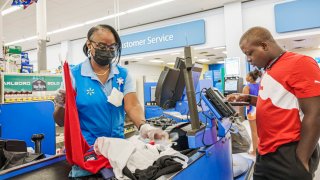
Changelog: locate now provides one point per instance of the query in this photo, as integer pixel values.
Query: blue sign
(297, 15)
(180, 35)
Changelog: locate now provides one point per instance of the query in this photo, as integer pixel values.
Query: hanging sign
(24, 3)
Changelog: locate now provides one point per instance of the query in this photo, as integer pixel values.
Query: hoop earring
(89, 53)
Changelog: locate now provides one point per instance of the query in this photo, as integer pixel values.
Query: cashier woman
(105, 90)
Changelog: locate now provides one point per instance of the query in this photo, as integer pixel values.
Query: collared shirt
(86, 70)
(274, 61)
(279, 115)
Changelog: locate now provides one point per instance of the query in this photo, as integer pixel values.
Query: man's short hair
(256, 35)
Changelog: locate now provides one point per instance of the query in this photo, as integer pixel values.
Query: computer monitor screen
(232, 66)
(166, 87)
(153, 93)
(171, 84)
(231, 85)
(217, 100)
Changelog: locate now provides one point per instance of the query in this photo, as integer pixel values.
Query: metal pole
(1, 36)
(42, 35)
(195, 123)
(1, 28)
(5, 5)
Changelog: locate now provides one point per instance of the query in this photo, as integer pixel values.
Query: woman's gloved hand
(147, 131)
(59, 100)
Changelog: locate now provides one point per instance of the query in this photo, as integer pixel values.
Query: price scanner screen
(231, 85)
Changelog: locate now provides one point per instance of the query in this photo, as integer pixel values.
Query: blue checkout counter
(201, 165)
(21, 120)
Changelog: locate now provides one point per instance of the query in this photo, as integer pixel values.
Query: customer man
(288, 108)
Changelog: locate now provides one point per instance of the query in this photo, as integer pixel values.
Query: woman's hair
(255, 74)
(104, 27)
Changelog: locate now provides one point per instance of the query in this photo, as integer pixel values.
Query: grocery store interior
(172, 65)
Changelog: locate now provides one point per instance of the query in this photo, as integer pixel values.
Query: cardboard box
(26, 68)
(13, 49)
(24, 58)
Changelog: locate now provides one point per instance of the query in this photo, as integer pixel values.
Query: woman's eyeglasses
(103, 46)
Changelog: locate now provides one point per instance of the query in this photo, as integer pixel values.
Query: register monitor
(218, 101)
(233, 85)
(171, 83)
(166, 87)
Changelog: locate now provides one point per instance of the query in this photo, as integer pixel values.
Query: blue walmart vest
(97, 116)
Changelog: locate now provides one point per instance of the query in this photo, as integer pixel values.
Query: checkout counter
(207, 135)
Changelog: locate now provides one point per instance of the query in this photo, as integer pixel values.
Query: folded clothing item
(164, 165)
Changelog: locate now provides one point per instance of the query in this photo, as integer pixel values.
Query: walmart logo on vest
(90, 91)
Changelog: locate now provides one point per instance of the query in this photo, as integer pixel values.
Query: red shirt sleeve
(305, 79)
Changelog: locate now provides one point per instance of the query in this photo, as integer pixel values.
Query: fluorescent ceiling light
(220, 47)
(148, 6)
(319, 46)
(139, 58)
(156, 61)
(203, 60)
(224, 52)
(170, 63)
(11, 10)
(104, 18)
(92, 21)
(65, 29)
(220, 62)
(22, 40)
(195, 57)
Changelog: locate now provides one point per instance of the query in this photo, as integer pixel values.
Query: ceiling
(203, 56)
(309, 42)
(63, 13)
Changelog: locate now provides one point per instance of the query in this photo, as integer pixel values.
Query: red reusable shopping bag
(76, 146)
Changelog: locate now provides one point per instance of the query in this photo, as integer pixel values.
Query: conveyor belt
(57, 171)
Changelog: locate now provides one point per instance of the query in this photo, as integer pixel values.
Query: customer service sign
(179, 35)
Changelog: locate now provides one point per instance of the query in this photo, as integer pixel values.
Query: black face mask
(103, 57)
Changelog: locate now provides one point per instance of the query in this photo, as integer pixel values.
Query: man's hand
(305, 163)
(59, 100)
(237, 97)
(147, 131)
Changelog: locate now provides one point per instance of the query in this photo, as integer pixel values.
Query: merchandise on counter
(26, 68)
(12, 59)
(24, 58)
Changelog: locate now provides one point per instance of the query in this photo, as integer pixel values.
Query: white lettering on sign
(149, 40)
(39, 86)
(53, 83)
(133, 43)
(159, 39)
(17, 83)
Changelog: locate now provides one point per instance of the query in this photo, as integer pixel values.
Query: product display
(28, 87)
